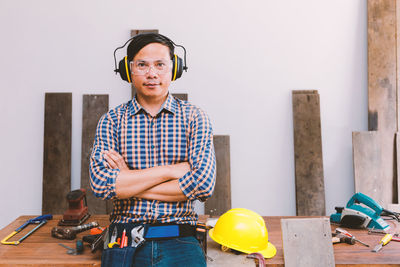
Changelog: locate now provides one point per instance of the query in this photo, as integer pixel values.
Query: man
(153, 156)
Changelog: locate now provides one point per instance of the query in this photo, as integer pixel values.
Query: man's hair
(141, 40)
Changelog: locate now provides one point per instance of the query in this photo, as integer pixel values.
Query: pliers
(113, 240)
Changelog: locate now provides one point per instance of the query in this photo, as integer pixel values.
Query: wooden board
(220, 201)
(367, 165)
(382, 87)
(133, 33)
(181, 96)
(56, 152)
(309, 175)
(306, 246)
(93, 107)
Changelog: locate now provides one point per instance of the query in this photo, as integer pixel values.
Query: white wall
(244, 58)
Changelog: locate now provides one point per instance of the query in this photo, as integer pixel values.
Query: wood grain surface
(220, 201)
(57, 152)
(93, 107)
(309, 173)
(40, 249)
(367, 165)
(382, 87)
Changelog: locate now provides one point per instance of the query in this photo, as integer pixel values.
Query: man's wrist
(169, 172)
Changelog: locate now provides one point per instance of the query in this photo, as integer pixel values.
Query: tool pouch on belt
(122, 257)
(118, 257)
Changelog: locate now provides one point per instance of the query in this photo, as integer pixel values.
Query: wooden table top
(43, 250)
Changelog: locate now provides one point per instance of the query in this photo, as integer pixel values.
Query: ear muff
(177, 67)
(124, 70)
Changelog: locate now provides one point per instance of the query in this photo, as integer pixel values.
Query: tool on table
(40, 220)
(376, 231)
(77, 211)
(71, 232)
(395, 237)
(113, 240)
(340, 238)
(257, 257)
(77, 251)
(97, 241)
(137, 236)
(386, 239)
(344, 232)
(360, 212)
(96, 231)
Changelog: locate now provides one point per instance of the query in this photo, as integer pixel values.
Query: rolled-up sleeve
(102, 176)
(199, 182)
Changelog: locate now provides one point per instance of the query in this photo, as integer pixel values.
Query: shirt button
(152, 146)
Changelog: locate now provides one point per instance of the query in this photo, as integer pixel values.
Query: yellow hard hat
(243, 230)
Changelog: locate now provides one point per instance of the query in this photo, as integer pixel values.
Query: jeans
(175, 252)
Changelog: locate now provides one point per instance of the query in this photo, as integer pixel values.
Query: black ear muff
(124, 70)
(177, 67)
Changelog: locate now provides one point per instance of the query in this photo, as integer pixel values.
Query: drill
(70, 233)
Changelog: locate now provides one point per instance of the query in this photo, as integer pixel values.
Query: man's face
(152, 84)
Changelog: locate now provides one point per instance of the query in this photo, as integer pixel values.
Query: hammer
(70, 233)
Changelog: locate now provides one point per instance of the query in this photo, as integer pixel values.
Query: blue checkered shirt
(179, 132)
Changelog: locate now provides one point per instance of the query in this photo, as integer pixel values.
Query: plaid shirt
(179, 132)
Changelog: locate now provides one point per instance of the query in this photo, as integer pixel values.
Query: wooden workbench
(41, 249)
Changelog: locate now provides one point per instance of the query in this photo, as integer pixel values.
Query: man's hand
(115, 160)
(178, 170)
(150, 183)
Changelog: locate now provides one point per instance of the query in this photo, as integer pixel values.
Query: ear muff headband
(128, 74)
(175, 68)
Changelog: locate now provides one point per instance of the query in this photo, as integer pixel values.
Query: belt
(167, 231)
(157, 231)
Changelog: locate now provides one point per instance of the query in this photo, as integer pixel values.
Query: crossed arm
(159, 183)
(111, 178)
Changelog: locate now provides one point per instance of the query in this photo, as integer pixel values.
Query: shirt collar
(170, 105)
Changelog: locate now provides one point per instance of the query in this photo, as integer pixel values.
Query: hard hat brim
(269, 252)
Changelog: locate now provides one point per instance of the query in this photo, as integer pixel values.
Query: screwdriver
(343, 239)
(383, 242)
(344, 232)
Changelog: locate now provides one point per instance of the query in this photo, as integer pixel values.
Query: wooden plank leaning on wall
(220, 201)
(382, 90)
(93, 107)
(57, 152)
(309, 173)
(367, 164)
